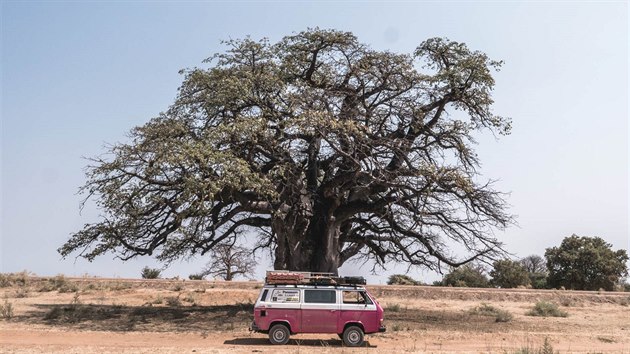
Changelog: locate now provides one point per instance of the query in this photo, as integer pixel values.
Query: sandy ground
(93, 315)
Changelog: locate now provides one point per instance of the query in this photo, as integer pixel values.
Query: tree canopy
(319, 147)
(585, 263)
(507, 273)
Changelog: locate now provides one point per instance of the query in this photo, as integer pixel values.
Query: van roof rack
(284, 277)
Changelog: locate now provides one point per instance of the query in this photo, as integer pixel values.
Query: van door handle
(333, 310)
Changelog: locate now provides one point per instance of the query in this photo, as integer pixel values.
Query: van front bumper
(382, 329)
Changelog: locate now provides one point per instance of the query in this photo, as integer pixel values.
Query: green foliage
(585, 263)
(316, 137)
(546, 309)
(150, 273)
(198, 276)
(469, 276)
(546, 348)
(402, 279)
(538, 280)
(489, 310)
(509, 274)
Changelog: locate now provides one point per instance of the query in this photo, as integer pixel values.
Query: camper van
(302, 302)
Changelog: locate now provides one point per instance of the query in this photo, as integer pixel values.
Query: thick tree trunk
(308, 242)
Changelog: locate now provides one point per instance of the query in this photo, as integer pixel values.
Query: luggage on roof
(280, 277)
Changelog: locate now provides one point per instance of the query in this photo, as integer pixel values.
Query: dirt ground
(94, 315)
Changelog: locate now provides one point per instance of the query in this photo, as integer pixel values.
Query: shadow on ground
(294, 341)
(141, 318)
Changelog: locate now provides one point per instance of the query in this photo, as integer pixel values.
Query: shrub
(509, 274)
(393, 307)
(489, 310)
(196, 277)
(401, 279)
(173, 301)
(6, 309)
(546, 309)
(470, 276)
(150, 273)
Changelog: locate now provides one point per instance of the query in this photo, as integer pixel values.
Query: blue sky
(76, 76)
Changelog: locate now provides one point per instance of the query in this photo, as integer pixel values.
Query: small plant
(190, 298)
(21, 292)
(546, 348)
(150, 273)
(158, 300)
(173, 301)
(397, 327)
(546, 309)
(6, 309)
(393, 307)
(489, 310)
(178, 287)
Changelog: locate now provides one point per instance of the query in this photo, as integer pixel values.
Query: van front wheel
(353, 336)
(279, 334)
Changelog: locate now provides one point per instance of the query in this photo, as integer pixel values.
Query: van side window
(320, 296)
(356, 297)
(264, 295)
(285, 295)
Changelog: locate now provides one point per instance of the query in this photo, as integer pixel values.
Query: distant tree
(229, 261)
(536, 267)
(507, 273)
(469, 275)
(402, 279)
(324, 147)
(150, 273)
(585, 263)
(534, 264)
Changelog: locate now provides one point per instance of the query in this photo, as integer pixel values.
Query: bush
(393, 307)
(150, 273)
(469, 276)
(196, 277)
(6, 309)
(546, 348)
(401, 279)
(509, 274)
(538, 280)
(546, 309)
(173, 301)
(489, 310)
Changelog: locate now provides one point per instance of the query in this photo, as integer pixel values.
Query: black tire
(279, 334)
(353, 336)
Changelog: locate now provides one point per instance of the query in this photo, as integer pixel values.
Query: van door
(356, 306)
(320, 311)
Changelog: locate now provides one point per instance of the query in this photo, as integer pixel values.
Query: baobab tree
(320, 147)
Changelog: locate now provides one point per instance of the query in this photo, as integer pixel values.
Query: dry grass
(215, 315)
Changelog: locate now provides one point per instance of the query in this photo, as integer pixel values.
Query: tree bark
(308, 242)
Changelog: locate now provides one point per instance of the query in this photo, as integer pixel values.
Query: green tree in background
(317, 147)
(507, 273)
(585, 263)
(536, 267)
(469, 275)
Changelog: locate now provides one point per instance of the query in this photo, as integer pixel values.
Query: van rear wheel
(279, 334)
(353, 336)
